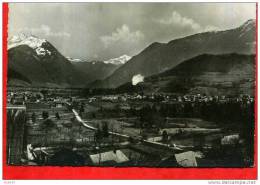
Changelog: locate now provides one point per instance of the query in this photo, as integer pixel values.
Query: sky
(100, 31)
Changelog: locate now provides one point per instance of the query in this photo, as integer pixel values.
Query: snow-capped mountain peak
(74, 59)
(118, 61)
(29, 40)
(247, 26)
(250, 22)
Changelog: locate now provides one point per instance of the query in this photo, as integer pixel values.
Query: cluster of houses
(130, 155)
(33, 98)
(171, 98)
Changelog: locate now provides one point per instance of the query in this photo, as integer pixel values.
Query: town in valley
(185, 102)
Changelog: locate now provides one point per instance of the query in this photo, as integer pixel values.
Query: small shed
(230, 139)
(111, 157)
(186, 159)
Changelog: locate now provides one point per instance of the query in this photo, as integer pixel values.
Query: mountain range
(189, 61)
(35, 61)
(225, 74)
(95, 70)
(98, 70)
(159, 57)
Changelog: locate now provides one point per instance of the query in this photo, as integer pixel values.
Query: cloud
(211, 28)
(137, 79)
(176, 19)
(179, 20)
(122, 35)
(44, 30)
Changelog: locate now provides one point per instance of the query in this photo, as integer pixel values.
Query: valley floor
(130, 130)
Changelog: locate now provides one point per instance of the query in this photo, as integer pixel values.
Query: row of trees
(101, 132)
(155, 116)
